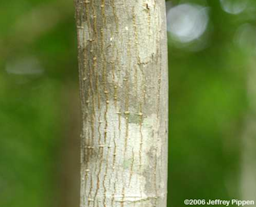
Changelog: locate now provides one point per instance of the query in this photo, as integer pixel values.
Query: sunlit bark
(124, 96)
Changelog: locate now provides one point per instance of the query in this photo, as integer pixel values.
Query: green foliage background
(208, 104)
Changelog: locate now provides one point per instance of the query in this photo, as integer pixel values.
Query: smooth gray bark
(124, 96)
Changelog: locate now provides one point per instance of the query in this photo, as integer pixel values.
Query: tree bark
(248, 166)
(122, 52)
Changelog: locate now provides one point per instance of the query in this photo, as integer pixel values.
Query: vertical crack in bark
(127, 113)
(131, 168)
(115, 15)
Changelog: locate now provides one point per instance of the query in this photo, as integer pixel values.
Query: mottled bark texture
(124, 93)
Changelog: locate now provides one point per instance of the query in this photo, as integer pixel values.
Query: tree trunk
(248, 170)
(122, 52)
